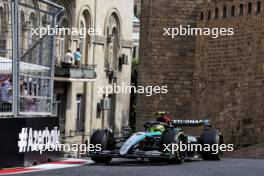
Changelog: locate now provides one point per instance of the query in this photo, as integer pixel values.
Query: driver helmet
(157, 127)
(163, 117)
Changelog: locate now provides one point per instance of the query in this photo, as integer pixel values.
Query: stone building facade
(220, 77)
(80, 100)
(136, 37)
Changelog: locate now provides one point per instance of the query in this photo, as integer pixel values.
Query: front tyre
(172, 137)
(105, 139)
(211, 137)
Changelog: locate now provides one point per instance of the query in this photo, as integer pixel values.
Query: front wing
(134, 155)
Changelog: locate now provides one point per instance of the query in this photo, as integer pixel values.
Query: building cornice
(102, 40)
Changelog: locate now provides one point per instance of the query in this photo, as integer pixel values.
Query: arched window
(241, 9)
(216, 13)
(249, 7)
(233, 11)
(115, 47)
(84, 44)
(258, 7)
(224, 11)
(62, 41)
(82, 40)
(113, 33)
(113, 38)
(33, 24)
(66, 43)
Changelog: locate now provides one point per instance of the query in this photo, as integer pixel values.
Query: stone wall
(229, 80)
(220, 77)
(164, 61)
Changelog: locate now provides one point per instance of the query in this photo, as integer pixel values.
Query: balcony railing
(81, 72)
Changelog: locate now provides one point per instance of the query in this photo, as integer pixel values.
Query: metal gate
(27, 47)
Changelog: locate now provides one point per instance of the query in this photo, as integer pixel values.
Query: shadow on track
(139, 162)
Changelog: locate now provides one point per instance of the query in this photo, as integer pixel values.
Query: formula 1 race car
(157, 143)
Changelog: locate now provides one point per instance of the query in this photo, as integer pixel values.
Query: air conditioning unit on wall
(105, 103)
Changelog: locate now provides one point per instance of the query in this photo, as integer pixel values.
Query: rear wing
(186, 122)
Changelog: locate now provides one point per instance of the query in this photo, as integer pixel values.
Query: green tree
(133, 95)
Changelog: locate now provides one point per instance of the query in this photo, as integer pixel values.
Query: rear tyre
(173, 137)
(105, 139)
(211, 137)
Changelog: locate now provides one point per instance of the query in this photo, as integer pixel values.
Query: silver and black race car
(159, 142)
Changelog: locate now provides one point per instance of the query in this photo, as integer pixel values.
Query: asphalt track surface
(225, 167)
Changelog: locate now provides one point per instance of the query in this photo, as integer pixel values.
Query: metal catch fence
(26, 57)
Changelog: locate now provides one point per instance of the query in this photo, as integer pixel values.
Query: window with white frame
(79, 113)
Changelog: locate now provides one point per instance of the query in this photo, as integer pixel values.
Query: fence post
(15, 58)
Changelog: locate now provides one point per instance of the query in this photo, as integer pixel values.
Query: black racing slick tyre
(210, 137)
(105, 139)
(172, 137)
